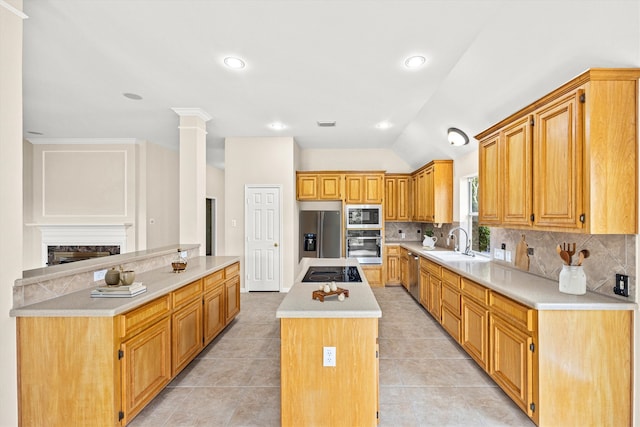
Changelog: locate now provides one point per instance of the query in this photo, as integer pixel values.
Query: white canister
(572, 280)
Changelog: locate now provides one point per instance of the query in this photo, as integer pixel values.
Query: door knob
(275, 245)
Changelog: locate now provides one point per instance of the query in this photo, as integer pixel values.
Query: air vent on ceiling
(326, 123)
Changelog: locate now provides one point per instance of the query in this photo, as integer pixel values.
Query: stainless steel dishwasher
(413, 274)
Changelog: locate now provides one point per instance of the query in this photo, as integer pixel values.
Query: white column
(193, 175)
(11, 222)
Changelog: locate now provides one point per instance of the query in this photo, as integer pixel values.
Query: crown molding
(84, 141)
(197, 112)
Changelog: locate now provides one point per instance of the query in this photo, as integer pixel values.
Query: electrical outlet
(503, 246)
(529, 251)
(99, 275)
(183, 254)
(622, 285)
(329, 356)
(507, 256)
(498, 254)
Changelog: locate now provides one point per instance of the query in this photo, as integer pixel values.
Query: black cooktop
(332, 274)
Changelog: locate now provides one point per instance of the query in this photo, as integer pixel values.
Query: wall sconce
(457, 137)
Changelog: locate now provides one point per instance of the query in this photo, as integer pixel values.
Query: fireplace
(71, 253)
(64, 243)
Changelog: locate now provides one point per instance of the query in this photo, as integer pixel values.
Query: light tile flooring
(425, 378)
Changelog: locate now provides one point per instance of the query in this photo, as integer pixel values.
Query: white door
(263, 224)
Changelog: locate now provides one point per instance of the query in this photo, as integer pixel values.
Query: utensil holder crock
(572, 280)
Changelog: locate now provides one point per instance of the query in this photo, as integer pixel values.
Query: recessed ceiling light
(277, 126)
(414, 61)
(235, 63)
(133, 96)
(383, 125)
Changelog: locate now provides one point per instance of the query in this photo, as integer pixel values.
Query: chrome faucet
(467, 250)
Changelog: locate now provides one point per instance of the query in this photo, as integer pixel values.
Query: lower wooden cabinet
(392, 265)
(374, 275)
(433, 302)
(102, 371)
(187, 340)
(511, 361)
(146, 367)
(474, 335)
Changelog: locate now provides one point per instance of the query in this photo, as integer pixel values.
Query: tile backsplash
(610, 254)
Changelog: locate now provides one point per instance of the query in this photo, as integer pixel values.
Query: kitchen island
(345, 393)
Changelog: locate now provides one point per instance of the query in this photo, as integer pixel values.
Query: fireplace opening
(66, 254)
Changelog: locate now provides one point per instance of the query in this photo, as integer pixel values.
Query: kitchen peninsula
(98, 361)
(345, 393)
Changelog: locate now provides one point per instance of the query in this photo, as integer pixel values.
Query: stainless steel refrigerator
(320, 234)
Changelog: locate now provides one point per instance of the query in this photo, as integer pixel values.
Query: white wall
(348, 159)
(11, 196)
(215, 189)
(253, 161)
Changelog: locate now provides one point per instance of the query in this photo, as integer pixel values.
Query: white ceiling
(307, 60)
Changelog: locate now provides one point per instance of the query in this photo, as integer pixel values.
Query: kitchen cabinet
(318, 186)
(186, 321)
(373, 273)
(103, 370)
(568, 161)
(433, 281)
(404, 269)
(392, 265)
(397, 197)
(450, 304)
(364, 188)
(433, 193)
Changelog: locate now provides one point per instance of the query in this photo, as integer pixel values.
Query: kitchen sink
(456, 256)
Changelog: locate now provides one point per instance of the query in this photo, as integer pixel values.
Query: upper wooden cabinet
(567, 162)
(364, 188)
(397, 197)
(433, 192)
(318, 186)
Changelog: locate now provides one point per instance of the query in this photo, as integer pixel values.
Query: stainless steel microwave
(363, 216)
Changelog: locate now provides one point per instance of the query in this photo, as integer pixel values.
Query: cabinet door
(373, 275)
(516, 165)
(232, 298)
(451, 322)
(404, 271)
(403, 199)
(391, 199)
(329, 187)
(413, 188)
(214, 313)
(354, 189)
(393, 269)
(434, 297)
(557, 171)
(424, 288)
(373, 189)
(489, 181)
(511, 363)
(475, 324)
(307, 187)
(421, 196)
(146, 366)
(186, 335)
(429, 207)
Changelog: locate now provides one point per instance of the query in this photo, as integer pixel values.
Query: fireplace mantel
(82, 234)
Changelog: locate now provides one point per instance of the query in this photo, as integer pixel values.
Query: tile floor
(425, 378)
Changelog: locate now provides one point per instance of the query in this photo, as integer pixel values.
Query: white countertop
(531, 290)
(158, 282)
(299, 303)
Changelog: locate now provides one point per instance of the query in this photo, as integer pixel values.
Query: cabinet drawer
(431, 267)
(475, 291)
(187, 293)
(520, 315)
(146, 315)
(451, 278)
(213, 279)
(451, 298)
(232, 270)
(393, 250)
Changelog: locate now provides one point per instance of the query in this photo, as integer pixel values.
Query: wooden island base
(314, 395)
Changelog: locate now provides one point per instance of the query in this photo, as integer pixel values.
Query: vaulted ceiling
(309, 61)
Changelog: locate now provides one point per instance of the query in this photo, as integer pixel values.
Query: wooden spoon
(564, 255)
(583, 255)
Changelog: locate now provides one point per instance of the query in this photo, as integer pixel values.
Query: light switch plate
(498, 254)
(507, 256)
(99, 275)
